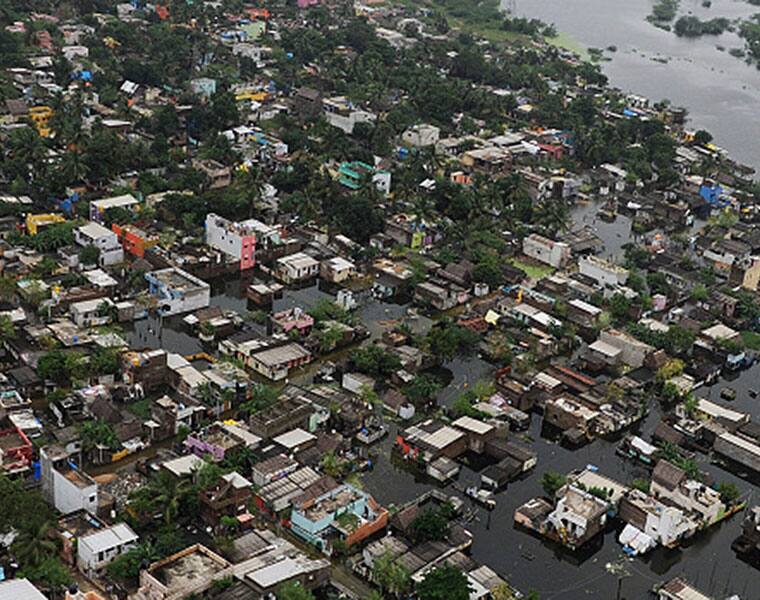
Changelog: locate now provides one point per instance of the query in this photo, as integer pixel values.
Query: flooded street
(721, 92)
(526, 561)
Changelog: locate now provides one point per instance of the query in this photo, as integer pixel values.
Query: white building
(650, 522)
(632, 351)
(578, 516)
(296, 267)
(19, 589)
(271, 357)
(420, 136)
(96, 550)
(341, 113)
(671, 484)
(544, 250)
(98, 208)
(89, 313)
(176, 291)
(603, 272)
(102, 238)
(64, 486)
(237, 240)
(336, 269)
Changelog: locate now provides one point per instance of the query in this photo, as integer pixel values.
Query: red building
(15, 451)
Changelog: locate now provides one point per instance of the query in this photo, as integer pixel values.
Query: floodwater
(529, 562)
(721, 92)
(526, 561)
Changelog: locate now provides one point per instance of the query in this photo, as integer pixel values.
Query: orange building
(135, 241)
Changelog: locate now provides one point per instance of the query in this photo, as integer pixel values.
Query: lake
(721, 92)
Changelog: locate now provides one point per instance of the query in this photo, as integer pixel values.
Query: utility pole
(619, 570)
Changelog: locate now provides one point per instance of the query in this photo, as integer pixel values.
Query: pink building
(293, 319)
(237, 240)
(307, 3)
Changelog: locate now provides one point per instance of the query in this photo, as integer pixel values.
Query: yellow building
(35, 223)
(40, 116)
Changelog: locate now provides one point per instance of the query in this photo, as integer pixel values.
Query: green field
(532, 270)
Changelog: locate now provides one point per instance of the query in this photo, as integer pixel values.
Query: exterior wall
(172, 302)
(633, 352)
(88, 319)
(423, 135)
(555, 254)
(69, 498)
(598, 270)
(348, 121)
(111, 252)
(221, 235)
(90, 563)
(202, 448)
(751, 278)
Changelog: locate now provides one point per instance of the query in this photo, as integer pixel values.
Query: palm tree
(7, 288)
(34, 544)
(251, 182)
(7, 330)
(169, 493)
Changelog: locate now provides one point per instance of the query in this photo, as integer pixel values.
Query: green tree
(293, 590)
(422, 389)
(551, 482)
(95, 434)
(7, 330)
(428, 526)
(444, 583)
(641, 484)
(447, 339)
(89, 255)
(34, 544)
(262, 396)
(331, 465)
(729, 492)
(393, 578)
(375, 360)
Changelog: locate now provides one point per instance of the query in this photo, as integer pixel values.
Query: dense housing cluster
(297, 297)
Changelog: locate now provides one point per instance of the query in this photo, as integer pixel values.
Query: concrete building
(237, 240)
(679, 589)
(64, 485)
(218, 175)
(602, 271)
(102, 238)
(478, 433)
(577, 517)
(91, 313)
(296, 268)
(430, 440)
(176, 291)
(271, 357)
(96, 550)
(671, 484)
(341, 113)
(345, 512)
(633, 352)
(354, 175)
(739, 449)
(227, 497)
(546, 251)
(420, 136)
(568, 413)
(20, 589)
(336, 269)
(651, 523)
(99, 208)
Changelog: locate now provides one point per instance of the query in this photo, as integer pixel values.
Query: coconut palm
(34, 544)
